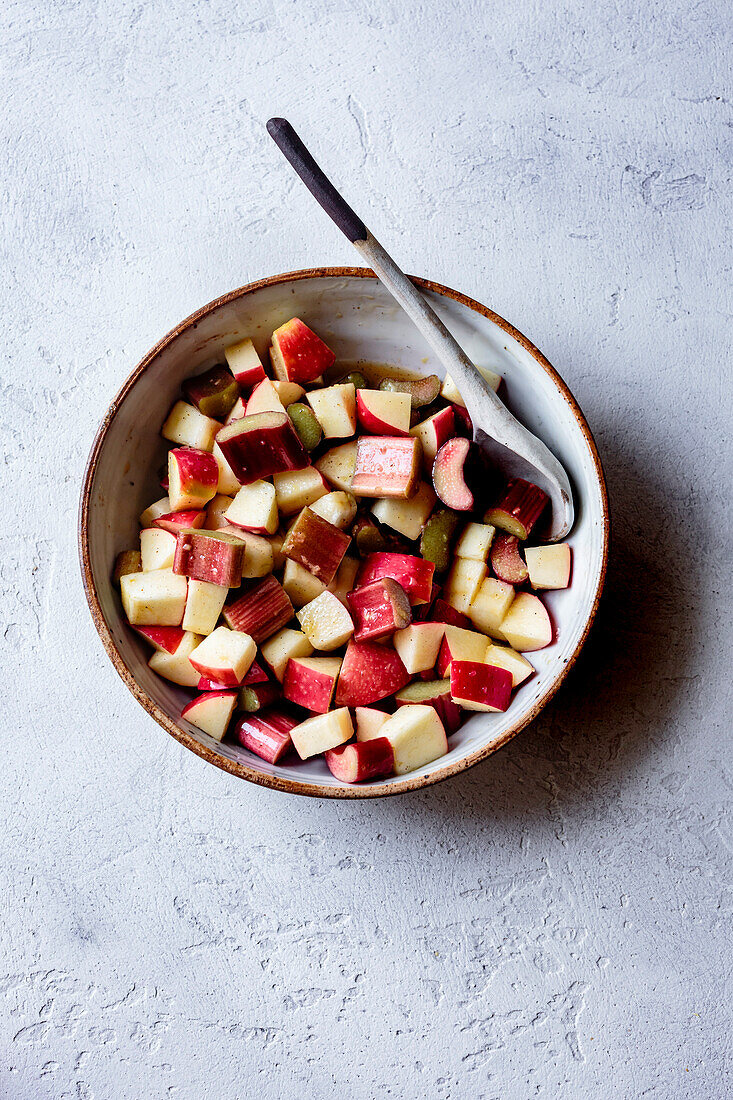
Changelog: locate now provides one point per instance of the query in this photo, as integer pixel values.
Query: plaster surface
(556, 923)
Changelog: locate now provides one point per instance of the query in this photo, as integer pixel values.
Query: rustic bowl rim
(244, 771)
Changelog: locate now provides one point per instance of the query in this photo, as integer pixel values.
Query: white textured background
(556, 922)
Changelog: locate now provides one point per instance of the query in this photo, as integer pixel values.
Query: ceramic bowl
(359, 320)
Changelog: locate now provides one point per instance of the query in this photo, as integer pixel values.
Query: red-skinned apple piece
(418, 646)
(378, 609)
(224, 656)
(264, 398)
(213, 393)
(507, 561)
(478, 686)
(261, 611)
(211, 712)
(369, 672)
(383, 413)
(519, 509)
(310, 682)
(153, 599)
(459, 645)
(369, 722)
(434, 432)
(549, 566)
(433, 693)
(209, 556)
(205, 684)
(417, 737)
(414, 574)
(192, 478)
(244, 363)
(166, 639)
(254, 509)
(386, 466)
(257, 446)
(297, 354)
(321, 732)
(267, 735)
(178, 521)
(364, 760)
(442, 612)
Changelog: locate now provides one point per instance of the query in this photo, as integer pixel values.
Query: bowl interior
(357, 317)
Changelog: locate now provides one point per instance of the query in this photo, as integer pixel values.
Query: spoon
(500, 436)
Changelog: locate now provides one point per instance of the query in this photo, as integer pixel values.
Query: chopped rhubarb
(519, 509)
(317, 545)
(209, 556)
(454, 474)
(261, 611)
(378, 609)
(256, 697)
(257, 446)
(127, 562)
(297, 354)
(369, 672)
(267, 734)
(213, 393)
(507, 561)
(386, 466)
(364, 760)
(477, 686)
(433, 693)
(414, 574)
(422, 391)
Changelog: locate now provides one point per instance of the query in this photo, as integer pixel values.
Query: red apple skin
(205, 684)
(304, 355)
(267, 734)
(442, 612)
(463, 422)
(195, 467)
(378, 609)
(175, 521)
(480, 683)
(224, 676)
(423, 611)
(437, 696)
(165, 638)
(369, 672)
(255, 675)
(369, 419)
(222, 693)
(442, 427)
(361, 760)
(308, 687)
(261, 445)
(414, 574)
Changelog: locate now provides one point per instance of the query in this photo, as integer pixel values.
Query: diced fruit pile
(325, 573)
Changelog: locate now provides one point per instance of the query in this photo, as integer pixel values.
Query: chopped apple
(338, 508)
(463, 583)
(261, 611)
(211, 712)
(451, 392)
(326, 622)
(335, 410)
(288, 392)
(264, 398)
(459, 645)
(216, 510)
(344, 580)
(244, 363)
(526, 625)
(298, 489)
(177, 521)
(442, 612)
(367, 760)
(300, 584)
(478, 686)
(154, 511)
(154, 599)
(193, 477)
(406, 516)
(414, 574)
(370, 672)
(369, 722)
(507, 561)
(490, 605)
(278, 650)
(238, 410)
(418, 646)
(310, 681)
(338, 465)
(316, 545)
(224, 656)
(386, 466)
(256, 697)
(433, 433)
(520, 508)
(214, 393)
(204, 604)
(157, 549)
(276, 542)
(166, 639)
(417, 737)
(383, 413)
(503, 656)
(267, 735)
(549, 566)
(126, 562)
(187, 427)
(297, 354)
(257, 552)
(475, 542)
(177, 666)
(436, 694)
(227, 485)
(257, 446)
(322, 732)
(254, 508)
(209, 556)
(378, 609)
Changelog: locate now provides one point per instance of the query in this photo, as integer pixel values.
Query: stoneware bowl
(358, 318)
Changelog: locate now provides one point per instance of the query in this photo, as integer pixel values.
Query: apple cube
(310, 681)
(213, 393)
(215, 514)
(288, 392)
(209, 556)
(335, 410)
(261, 611)
(378, 609)
(227, 484)
(211, 712)
(237, 411)
(477, 686)
(126, 562)
(165, 639)
(154, 511)
(254, 508)
(490, 605)
(367, 760)
(386, 466)
(463, 582)
(369, 722)
(267, 735)
(325, 622)
(177, 666)
(343, 582)
(177, 521)
(322, 732)
(300, 585)
(257, 446)
(414, 574)
(244, 363)
(459, 645)
(204, 604)
(264, 398)
(526, 625)
(436, 694)
(193, 477)
(408, 517)
(442, 612)
(503, 656)
(549, 566)
(224, 656)
(451, 392)
(433, 433)
(157, 549)
(154, 599)
(276, 542)
(337, 508)
(279, 649)
(297, 354)
(382, 412)
(475, 542)
(369, 672)
(187, 427)
(338, 465)
(298, 489)
(520, 508)
(418, 646)
(316, 544)
(417, 737)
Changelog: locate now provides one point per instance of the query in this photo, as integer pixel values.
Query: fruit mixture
(333, 569)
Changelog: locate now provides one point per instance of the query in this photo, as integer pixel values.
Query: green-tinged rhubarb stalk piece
(437, 536)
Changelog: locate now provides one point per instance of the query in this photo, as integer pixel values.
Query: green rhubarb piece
(306, 425)
(437, 536)
(367, 537)
(214, 393)
(356, 378)
(422, 391)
